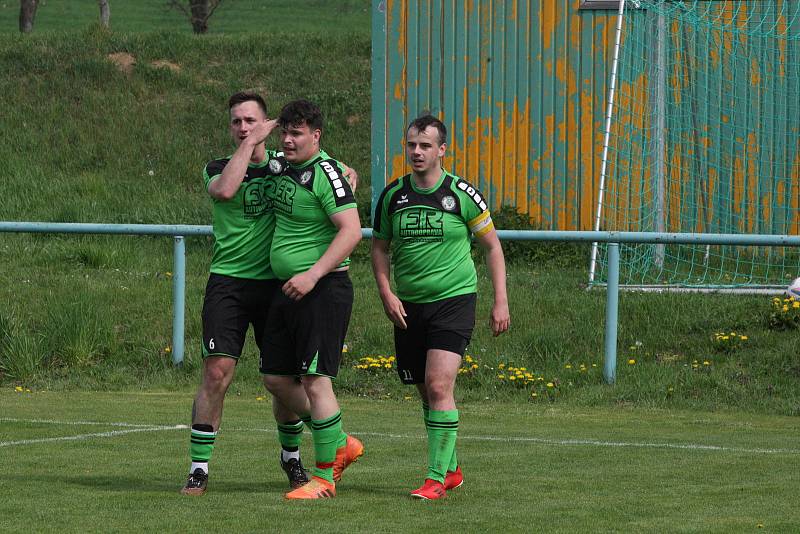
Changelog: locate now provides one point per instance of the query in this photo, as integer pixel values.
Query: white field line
(132, 428)
(578, 442)
(467, 437)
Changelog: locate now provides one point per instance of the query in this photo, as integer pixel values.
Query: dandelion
(743, 338)
(167, 350)
(18, 388)
(568, 366)
(501, 377)
(259, 398)
(501, 365)
(550, 385)
(631, 362)
(534, 394)
(706, 362)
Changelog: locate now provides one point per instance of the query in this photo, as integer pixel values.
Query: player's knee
(217, 377)
(277, 385)
(439, 390)
(318, 389)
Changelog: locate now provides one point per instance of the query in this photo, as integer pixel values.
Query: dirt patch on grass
(123, 61)
(165, 64)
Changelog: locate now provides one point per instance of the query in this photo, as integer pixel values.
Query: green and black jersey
(304, 199)
(430, 234)
(244, 225)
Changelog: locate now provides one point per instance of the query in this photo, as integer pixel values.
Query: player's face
(299, 142)
(243, 117)
(423, 150)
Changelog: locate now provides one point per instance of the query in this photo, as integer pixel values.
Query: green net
(705, 137)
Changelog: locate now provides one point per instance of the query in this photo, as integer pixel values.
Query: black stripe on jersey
(442, 199)
(376, 223)
(215, 168)
(342, 193)
(472, 192)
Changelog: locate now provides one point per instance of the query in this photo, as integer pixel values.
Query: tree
(198, 12)
(105, 12)
(27, 11)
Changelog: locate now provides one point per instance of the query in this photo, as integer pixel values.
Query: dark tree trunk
(105, 12)
(27, 11)
(200, 10)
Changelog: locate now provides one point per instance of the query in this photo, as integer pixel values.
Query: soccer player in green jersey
(426, 218)
(241, 285)
(317, 227)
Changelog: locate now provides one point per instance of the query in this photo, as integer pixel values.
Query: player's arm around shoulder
(484, 231)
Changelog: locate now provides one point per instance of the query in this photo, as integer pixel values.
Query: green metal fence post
(178, 299)
(612, 305)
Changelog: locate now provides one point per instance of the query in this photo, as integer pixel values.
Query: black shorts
(445, 324)
(305, 337)
(231, 305)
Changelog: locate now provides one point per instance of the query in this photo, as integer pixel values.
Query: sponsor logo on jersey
(474, 195)
(275, 166)
(449, 203)
(254, 200)
(402, 200)
(284, 195)
(334, 177)
(306, 177)
(421, 225)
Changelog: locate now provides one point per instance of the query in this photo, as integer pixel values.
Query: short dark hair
(301, 111)
(423, 121)
(242, 96)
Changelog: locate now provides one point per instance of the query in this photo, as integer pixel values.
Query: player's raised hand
(261, 131)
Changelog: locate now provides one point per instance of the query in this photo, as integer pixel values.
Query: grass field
(697, 434)
(84, 461)
(232, 16)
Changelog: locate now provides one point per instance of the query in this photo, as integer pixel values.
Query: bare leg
(218, 374)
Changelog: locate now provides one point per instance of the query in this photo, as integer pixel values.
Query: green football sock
(442, 426)
(326, 434)
(290, 434)
(426, 409)
(201, 443)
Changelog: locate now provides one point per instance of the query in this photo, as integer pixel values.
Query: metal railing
(179, 232)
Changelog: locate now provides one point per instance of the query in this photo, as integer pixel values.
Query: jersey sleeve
(474, 209)
(382, 224)
(332, 188)
(212, 170)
